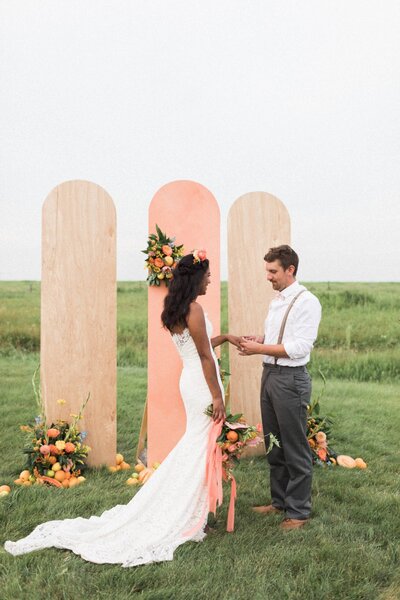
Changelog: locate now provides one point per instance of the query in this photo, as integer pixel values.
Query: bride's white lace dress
(163, 514)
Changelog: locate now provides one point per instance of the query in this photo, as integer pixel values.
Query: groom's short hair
(286, 256)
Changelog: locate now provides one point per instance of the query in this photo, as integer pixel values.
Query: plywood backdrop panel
(188, 211)
(256, 222)
(78, 311)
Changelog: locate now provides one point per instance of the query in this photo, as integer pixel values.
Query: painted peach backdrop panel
(189, 212)
(78, 311)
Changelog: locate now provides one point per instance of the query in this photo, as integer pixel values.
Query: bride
(166, 512)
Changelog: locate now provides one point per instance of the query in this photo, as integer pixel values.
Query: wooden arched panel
(189, 212)
(78, 311)
(257, 221)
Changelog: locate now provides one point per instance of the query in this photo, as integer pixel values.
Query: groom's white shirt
(301, 326)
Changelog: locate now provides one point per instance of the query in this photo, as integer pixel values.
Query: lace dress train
(164, 513)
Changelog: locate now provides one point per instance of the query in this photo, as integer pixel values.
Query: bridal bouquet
(162, 256)
(235, 436)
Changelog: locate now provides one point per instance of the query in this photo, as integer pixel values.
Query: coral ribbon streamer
(231, 512)
(214, 476)
(214, 469)
(215, 473)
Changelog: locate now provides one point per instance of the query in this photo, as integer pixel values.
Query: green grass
(348, 551)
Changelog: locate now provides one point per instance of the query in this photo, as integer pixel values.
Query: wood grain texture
(189, 212)
(257, 221)
(78, 311)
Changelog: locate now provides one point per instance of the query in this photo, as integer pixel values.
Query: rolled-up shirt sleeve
(304, 329)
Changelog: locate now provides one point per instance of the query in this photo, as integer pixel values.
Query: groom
(290, 331)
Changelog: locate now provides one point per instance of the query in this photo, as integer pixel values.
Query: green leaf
(160, 233)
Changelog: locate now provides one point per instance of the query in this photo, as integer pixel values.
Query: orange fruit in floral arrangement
(73, 481)
(67, 474)
(69, 447)
(124, 465)
(112, 469)
(132, 481)
(27, 483)
(60, 476)
(119, 459)
(232, 436)
(53, 449)
(53, 432)
(5, 488)
(139, 467)
(169, 261)
(360, 463)
(24, 475)
(65, 483)
(18, 481)
(311, 443)
(167, 250)
(52, 460)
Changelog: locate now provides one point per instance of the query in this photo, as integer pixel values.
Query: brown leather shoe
(288, 524)
(266, 509)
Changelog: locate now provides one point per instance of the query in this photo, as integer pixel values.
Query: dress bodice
(185, 343)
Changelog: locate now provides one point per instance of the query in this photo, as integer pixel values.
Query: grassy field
(348, 551)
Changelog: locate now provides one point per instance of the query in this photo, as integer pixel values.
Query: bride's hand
(218, 411)
(234, 339)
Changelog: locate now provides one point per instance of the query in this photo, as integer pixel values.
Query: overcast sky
(297, 98)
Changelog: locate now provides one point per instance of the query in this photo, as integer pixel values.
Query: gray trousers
(285, 393)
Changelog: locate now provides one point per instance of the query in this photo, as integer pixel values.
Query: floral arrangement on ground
(56, 453)
(318, 433)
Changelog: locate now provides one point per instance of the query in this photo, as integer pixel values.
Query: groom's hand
(249, 347)
(254, 338)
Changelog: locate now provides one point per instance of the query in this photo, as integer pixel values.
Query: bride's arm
(225, 337)
(197, 329)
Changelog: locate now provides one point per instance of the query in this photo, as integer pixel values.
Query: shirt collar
(291, 290)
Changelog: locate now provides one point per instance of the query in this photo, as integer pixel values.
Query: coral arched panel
(189, 212)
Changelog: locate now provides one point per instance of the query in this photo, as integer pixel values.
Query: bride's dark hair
(183, 289)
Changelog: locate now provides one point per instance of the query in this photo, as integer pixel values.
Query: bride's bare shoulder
(196, 310)
(196, 315)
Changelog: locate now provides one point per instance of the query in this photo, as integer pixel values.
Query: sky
(300, 99)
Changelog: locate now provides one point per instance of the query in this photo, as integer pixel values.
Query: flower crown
(199, 256)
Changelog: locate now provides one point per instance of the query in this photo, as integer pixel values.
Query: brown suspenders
(283, 325)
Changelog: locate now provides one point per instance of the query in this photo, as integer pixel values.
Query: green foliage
(359, 335)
